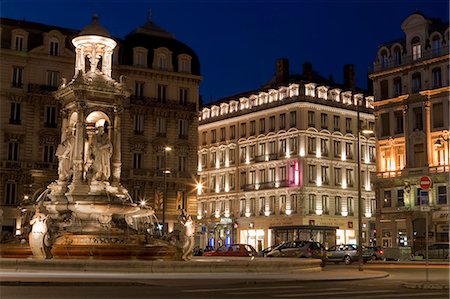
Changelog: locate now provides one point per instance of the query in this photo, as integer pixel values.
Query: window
(162, 62)
(438, 115)
(13, 150)
(311, 119)
(232, 155)
(182, 163)
(252, 128)
(231, 181)
(243, 153)
(416, 82)
(252, 177)
(222, 134)
(417, 199)
(183, 128)
(232, 132)
(348, 125)
(349, 177)
(416, 48)
(252, 151)
(387, 200)
(325, 175)
(159, 162)
(312, 203)
(293, 119)
(293, 202)
(337, 176)
(337, 148)
(54, 48)
(138, 121)
(312, 173)
(384, 59)
(397, 56)
(137, 160)
(50, 117)
(243, 130)
(184, 65)
(385, 126)
(139, 59)
(337, 123)
(10, 193)
(53, 78)
(436, 45)
(293, 145)
(324, 120)
(19, 43)
(441, 195)
(17, 76)
(49, 153)
(324, 147)
(283, 173)
(262, 125)
(262, 175)
(161, 126)
(203, 138)
(325, 204)
(400, 198)
(183, 96)
(272, 123)
(418, 118)
(337, 205)
(282, 121)
(437, 78)
(348, 150)
(204, 160)
(397, 86)
(350, 205)
(399, 122)
(311, 145)
(384, 89)
(139, 89)
(282, 146)
(162, 93)
(213, 136)
(271, 177)
(419, 155)
(272, 148)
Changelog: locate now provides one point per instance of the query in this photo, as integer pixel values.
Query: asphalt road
(230, 287)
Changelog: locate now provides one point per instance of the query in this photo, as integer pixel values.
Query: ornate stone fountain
(86, 212)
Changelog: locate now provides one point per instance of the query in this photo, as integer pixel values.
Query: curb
(425, 285)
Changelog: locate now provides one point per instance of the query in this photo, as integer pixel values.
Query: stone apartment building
(163, 75)
(411, 89)
(280, 163)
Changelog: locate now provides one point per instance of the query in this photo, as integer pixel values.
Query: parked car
(435, 251)
(377, 252)
(233, 250)
(299, 248)
(346, 253)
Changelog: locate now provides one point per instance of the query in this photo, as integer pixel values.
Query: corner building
(411, 88)
(163, 76)
(280, 163)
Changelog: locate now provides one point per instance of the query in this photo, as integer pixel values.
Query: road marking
(242, 289)
(330, 293)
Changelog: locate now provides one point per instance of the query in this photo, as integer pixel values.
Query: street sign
(424, 201)
(425, 182)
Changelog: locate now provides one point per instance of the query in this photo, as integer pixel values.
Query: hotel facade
(280, 163)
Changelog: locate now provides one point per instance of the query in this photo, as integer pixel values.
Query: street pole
(426, 246)
(360, 260)
(165, 171)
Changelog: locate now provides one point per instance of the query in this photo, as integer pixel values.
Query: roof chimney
(349, 76)
(307, 70)
(282, 74)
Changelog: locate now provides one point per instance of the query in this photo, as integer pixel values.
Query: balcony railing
(172, 104)
(413, 171)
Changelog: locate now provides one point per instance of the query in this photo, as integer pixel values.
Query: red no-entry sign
(425, 182)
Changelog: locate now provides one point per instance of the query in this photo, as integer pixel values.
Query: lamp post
(365, 131)
(165, 172)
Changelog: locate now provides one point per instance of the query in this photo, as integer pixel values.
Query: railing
(405, 60)
(40, 88)
(172, 104)
(413, 171)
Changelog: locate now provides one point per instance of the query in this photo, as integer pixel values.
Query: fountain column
(116, 159)
(79, 144)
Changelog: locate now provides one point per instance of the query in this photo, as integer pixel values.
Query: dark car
(299, 248)
(435, 251)
(233, 250)
(377, 252)
(347, 253)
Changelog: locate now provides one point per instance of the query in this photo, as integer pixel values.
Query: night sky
(238, 42)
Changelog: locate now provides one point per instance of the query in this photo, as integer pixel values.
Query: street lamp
(165, 172)
(365, 131)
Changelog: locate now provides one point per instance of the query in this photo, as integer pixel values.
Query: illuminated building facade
(163, 76)
(285, 155)
(411, 90)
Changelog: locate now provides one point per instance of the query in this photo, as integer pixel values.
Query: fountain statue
(86, 212)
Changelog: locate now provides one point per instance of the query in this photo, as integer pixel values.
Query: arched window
(397, 86)
(416, 48)
(437, 79)
(436, 44)
(397, 55)
(384, 58)
(384, 89)
(416, 82)
(54, 47)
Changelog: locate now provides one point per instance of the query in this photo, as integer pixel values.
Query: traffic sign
(425, 182)
(423, 198)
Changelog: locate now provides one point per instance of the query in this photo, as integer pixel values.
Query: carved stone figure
(64, 154)
(102, 151)
(183, 236)
(39, 237)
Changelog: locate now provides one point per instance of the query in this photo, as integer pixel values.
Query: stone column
(79, 143)
(406, 134)
(116, 158)
(64, 124)
(106, 63)
(428, 131)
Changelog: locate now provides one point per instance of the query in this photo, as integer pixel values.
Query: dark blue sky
(238, 42)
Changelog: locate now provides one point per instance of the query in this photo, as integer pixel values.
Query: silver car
(346, 253)
(435, 251)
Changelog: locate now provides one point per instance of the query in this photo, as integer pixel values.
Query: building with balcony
(411, 89)
(163, 75)
(280, 163)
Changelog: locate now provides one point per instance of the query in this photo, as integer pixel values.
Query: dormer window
(19, 43)
(184, 63)
(140, 57)
(54, 47)
(384, 58)
(416, 48)
(436, 44)
(19, 40)
(162, 62)
(162, 59)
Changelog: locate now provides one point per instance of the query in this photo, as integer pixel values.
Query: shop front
(324, 234)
